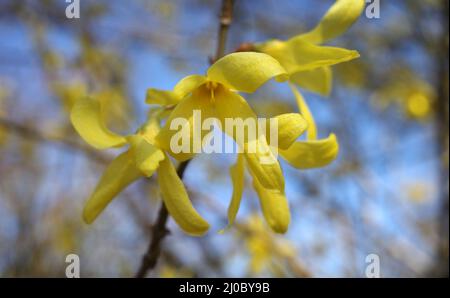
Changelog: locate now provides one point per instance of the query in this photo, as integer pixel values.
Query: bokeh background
(386, 194)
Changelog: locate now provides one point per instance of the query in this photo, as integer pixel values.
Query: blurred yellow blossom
(414, 96)
(168, 271)
(267, 250)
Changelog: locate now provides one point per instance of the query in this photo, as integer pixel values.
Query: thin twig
(39, 136)
(159, 230)
(226, 17)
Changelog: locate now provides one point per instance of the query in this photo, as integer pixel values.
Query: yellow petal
(188, 85)
(237, 177)
(151, 128)
(298, 55)
(312, 154)
(260, 158)
(117, 176)
(319, 80)
(336, 21)
(177, 201)
(245, 71)
(275, 207)
(306, 113)
(268, 174)
(290, 127)
(180, 140)
(161, 97)
(147, 156)
(86, 118)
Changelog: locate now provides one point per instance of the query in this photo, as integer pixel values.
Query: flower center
(211, 86)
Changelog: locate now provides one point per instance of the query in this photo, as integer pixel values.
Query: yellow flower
(142, 159)
(414, 96)
(418, 105)
(299, 154)
(303, 154)
(307, 63)
(216, 97)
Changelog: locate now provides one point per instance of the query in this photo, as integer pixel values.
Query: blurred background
(386, 194)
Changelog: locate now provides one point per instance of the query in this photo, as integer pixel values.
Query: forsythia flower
(414, 96)
(299, 154)
(142, 159)
(212, 95)
(307, 63)
(308, 66)
(216, 97)
(299, 60)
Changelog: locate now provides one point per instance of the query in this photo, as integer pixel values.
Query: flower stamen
(211, 86)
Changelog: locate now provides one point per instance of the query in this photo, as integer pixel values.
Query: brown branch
(442, 138)
(39, 136)
(159, 230)
(245, 47)
(225, 19)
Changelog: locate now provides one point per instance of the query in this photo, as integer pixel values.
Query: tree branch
(442, 135)
(159, 231)
(225, 19)
(39, 136)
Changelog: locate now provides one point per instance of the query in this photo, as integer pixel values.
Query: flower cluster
(300, 61)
